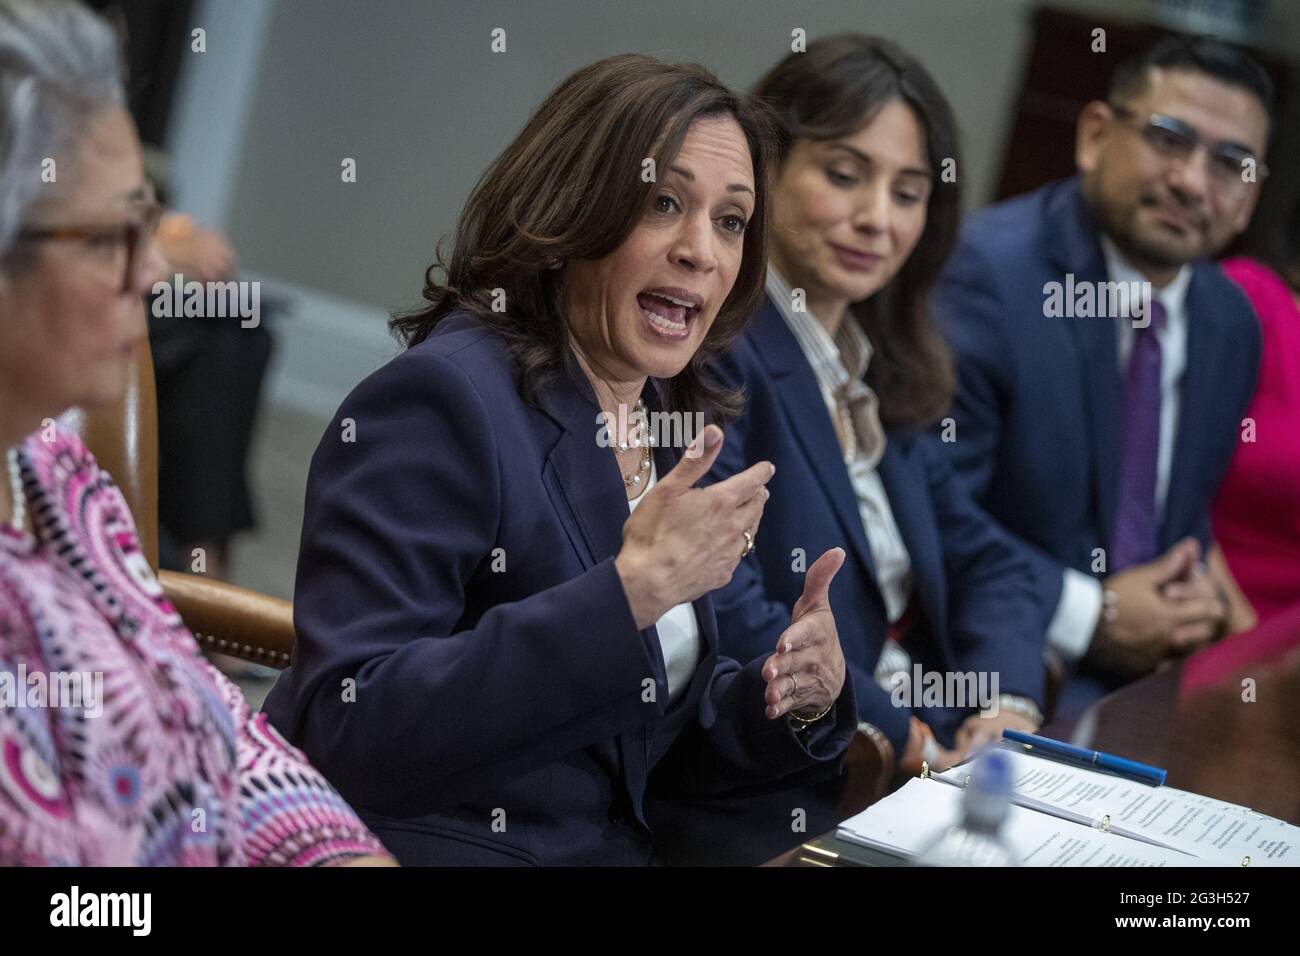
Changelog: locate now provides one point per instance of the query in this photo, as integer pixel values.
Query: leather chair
(224, 618)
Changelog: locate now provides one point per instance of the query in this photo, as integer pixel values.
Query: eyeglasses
(134, 235)
(1174, 139)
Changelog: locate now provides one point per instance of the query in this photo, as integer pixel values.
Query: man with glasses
(1098, 428)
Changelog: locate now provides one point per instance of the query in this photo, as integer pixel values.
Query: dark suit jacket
(971, 582)
(1038, 412)
(467, 671)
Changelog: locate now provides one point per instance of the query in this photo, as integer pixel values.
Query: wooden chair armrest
(232, 620)
(868, 772)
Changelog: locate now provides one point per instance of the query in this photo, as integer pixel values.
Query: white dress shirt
(679, 631)
(1077, 612)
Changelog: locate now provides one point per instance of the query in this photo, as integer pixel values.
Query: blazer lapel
(1075, 250)
(581, 478)
(796, 384)
(584, 484)
(906, 488)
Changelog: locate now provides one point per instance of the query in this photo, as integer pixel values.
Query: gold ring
(794, 682)
(749, 544)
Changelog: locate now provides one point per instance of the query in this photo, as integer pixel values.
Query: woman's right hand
(682, 541)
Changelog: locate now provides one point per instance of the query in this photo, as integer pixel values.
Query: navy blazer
(1038, 412)
(467, 671)
(972, 584)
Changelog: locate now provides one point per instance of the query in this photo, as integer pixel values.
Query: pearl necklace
(643, 442)
(19, 519)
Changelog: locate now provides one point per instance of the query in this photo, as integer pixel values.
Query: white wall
(411, 90)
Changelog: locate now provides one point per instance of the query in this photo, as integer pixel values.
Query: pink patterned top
(120, 745)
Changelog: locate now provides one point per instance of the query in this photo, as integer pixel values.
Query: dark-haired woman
(842, 373)
(492, 655)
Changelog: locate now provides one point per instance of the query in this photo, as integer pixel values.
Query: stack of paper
(1212, 831)
(907, 821)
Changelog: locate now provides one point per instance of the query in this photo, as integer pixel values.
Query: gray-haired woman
(119, 744)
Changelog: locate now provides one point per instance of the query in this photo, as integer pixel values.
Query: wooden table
(1213, 743)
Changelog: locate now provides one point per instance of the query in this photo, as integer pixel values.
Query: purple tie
(1134, 540)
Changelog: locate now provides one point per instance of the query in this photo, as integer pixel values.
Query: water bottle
(977, 840)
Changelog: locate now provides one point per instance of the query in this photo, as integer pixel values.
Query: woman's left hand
(806, 674)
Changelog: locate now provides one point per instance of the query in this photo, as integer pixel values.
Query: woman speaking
(503, 619)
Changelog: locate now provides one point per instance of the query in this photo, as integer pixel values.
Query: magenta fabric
(165, 767)
(1257, 512)
(1266, 645)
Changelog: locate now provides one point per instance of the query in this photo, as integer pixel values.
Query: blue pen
(1129, 769)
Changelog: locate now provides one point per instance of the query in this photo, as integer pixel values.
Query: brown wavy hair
(831, 91)
(570, 186)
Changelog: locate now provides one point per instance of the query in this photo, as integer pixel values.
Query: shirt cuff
(1076, 615)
